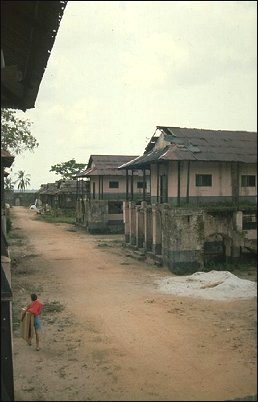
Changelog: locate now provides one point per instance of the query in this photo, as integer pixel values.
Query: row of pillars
(143, 226)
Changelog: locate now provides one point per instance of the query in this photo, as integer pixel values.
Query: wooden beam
(158, 189)
(132, 185)
(144, 184)
(188, 182)
(127, 185)
(178, 183)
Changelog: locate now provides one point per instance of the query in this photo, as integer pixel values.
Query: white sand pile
(213, 285)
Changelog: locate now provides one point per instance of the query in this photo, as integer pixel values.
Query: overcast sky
(118, 69)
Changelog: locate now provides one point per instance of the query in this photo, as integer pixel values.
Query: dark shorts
(37, 322)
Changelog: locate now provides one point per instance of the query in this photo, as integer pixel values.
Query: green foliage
(15, 132)
(8, 184)
(67, 169)
(23, 180)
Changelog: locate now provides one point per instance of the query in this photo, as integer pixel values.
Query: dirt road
(108, 334)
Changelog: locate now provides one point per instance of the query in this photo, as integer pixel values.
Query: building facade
(203, 188)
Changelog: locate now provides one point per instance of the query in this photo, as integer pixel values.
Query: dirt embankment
(109, 333)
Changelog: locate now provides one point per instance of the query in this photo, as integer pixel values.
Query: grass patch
(53, 307)
(56, 219)
(109, 243)
(104, 244)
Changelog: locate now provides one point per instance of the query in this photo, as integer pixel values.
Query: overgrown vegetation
(58, 216)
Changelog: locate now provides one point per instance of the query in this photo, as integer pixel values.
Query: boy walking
(35, 308)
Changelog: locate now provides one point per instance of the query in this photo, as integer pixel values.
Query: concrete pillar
(126, 221)
(156, 231)
(139, 226)
(238, 220)
(77, 211)
(132, 223)
(227, 243)
(148, 228)
(236, 238)
(235, 251)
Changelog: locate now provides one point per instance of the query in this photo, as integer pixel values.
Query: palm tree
(23, 180)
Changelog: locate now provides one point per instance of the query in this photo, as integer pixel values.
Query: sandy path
(118, 338)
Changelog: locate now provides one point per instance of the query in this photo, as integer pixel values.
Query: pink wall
(221, 178)
(122, 184)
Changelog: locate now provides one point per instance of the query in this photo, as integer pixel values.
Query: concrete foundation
(187, 239)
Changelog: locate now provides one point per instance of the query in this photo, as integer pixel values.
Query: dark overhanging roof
(6, 158)
(28, 32)
(187, 144)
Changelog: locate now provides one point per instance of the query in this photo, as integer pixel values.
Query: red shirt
(35, 307)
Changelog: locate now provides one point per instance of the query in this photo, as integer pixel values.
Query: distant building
(61, 194)
(100, 207)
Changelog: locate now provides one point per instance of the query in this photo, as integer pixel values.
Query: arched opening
(216, 248)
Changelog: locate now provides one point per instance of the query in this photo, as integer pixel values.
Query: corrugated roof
(200, 145)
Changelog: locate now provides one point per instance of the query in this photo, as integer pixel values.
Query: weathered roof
(199, 145)
(68, 187)
(105, 165)
(6, 158)
(28, 32)
(59, 187)
(49, 188)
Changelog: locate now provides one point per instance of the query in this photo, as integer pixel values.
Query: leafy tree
(15, 133)
(67, 169)
(8, 183)
(23, 180)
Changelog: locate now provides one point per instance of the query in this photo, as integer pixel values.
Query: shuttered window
(248, 181)
(113, 184)
(203, 180)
